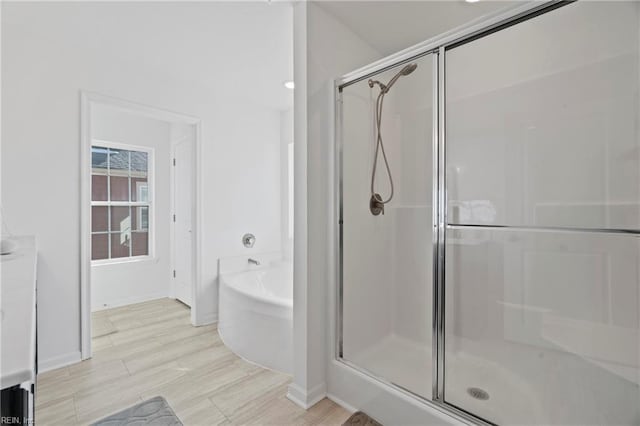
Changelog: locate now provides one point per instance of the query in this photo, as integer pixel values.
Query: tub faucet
(255, 262)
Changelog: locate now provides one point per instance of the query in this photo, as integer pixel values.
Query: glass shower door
(387, 259)
(542, 254)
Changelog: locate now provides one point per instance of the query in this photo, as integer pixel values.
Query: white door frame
(87, 100)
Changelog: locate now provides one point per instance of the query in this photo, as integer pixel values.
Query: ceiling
(226, 52)
(390, 26)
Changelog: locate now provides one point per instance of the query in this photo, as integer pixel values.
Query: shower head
(406, 70)
(384, 88)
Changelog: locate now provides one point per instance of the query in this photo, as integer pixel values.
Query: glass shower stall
(501, 281)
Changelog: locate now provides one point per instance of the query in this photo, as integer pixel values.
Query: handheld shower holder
(383, 87)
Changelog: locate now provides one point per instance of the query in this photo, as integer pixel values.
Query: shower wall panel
(541, 122)
(387, 259)
(542, 314)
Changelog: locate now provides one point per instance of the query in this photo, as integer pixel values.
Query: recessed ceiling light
(472, 1)
(289, 85)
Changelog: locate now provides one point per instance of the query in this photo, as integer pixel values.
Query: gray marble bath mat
(154, 411)
(360, 419)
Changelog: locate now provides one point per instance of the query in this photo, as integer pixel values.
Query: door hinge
(174, 217)
(174, 161)
(174, 273)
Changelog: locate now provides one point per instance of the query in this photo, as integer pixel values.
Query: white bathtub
(256, 315)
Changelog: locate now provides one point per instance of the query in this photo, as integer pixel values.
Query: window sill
(137, 259)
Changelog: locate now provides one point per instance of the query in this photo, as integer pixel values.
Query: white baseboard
(58, 361)
(129, 301)
(306, 399)
(210, 318)
(350, 408)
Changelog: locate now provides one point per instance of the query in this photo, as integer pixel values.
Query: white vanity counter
(18, 301)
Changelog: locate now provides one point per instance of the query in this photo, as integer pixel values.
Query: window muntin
(120, 203)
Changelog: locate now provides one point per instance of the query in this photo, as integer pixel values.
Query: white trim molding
(60, 361)
(130, 301)
(206, 319)
(350, 408)
(87, 99)
(307, 398)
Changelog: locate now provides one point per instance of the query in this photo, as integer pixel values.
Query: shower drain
(478, 393)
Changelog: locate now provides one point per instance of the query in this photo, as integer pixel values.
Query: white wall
(221, 62)
(300, 390)
(324, 62)
(286, 138)
(331, 50)
(317, 62)
(390, 26)
(131, 282)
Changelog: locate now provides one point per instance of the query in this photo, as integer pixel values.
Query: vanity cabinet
(18, 369)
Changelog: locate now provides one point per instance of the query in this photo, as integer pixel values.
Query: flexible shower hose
(380, 147)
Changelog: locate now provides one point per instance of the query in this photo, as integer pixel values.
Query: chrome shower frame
(437, 47)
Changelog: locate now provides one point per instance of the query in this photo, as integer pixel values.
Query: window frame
(101, 143)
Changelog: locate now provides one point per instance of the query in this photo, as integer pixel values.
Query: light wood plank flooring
(149, 349)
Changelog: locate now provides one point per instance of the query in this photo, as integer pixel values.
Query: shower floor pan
(528, 386)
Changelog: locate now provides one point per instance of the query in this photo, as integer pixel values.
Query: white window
(121, 204)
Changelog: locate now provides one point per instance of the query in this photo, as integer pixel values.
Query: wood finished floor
(150, 349)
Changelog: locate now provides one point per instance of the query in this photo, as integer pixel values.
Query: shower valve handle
(376, 205)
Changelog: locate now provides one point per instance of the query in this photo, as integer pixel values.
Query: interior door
(183, 211)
